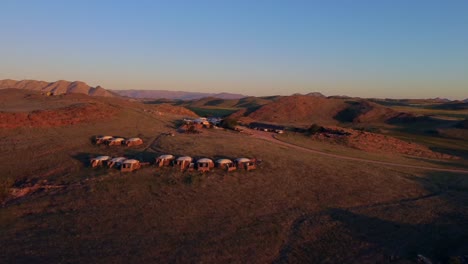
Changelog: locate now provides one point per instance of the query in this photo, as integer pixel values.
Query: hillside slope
(304, 110)
(58, 87)
(23, 108)
(180, 95)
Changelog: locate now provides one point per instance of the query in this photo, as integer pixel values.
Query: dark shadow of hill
(347, 235)
(455, 152)
(453, 184)
(446, 237)
(272, 97)
(448, 163)
(251, 109)
(251, 102)
(390, 103)
(450, 106)
(215, 102)
(354, 110)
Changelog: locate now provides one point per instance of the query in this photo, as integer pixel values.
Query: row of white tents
(117, 141)
(205, 164)
(122, 163)
(183, 163)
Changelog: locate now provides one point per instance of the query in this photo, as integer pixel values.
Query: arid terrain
(350, 180)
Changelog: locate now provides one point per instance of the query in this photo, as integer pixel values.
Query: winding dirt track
(271, 138)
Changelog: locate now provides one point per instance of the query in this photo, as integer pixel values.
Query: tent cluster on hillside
(121, 163)
(183, 163)
(205, 164)
(117, 141)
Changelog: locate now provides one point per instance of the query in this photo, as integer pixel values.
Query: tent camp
(204, 164)
(226, 164)
(183, 162)
(164, 160)
(115, 141)
(102, 139)
(130, 165)
(245, 163)
(99, 161)
(116, 162)
(133, 142)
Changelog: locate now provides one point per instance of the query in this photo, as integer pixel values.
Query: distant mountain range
(314, 94)
(179, 95)
(58, 87)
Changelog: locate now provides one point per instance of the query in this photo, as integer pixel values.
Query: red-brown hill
(58, 87)
(301, 110)
(24, 108)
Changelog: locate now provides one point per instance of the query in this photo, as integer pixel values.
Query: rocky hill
(304, 110)
(58, 87)
(25, 108)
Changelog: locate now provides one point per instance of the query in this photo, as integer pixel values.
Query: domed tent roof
(134, 139)
(118, 159)
(184, 158)
(204, 160)
(131, 161)
(224, 161)
(117, 139)
(166, 156)
(102, 158)
(105, 137)
(242, 160)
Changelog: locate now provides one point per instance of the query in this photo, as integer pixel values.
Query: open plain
(298, 206)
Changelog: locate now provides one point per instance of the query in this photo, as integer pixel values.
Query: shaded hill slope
(245, 102)
(304, 110)
(181, 95)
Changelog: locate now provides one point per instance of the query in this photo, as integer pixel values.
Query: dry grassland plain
(297, 207)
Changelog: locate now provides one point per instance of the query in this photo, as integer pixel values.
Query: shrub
(314, 129)
(229, 123)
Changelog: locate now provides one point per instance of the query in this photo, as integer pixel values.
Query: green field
(216, 112)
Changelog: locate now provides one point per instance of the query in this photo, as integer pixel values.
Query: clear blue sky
(375, 48)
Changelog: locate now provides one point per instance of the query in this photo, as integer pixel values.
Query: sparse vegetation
(300, 207)
(220, 112)
(229, 123)
(314, 129)
(193, 178)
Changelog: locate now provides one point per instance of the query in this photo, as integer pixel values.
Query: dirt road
(272, 138)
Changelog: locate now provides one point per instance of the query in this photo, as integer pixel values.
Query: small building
(183, 162)
(116, 162)
(252, 165)
(245, 163)
(102, 139)
(115, 141)
(99, 161)
(133, 142)
(202, 121)
(130, 165)
(215, 120)
(204, 164)
(226, 164)
(164, 160)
